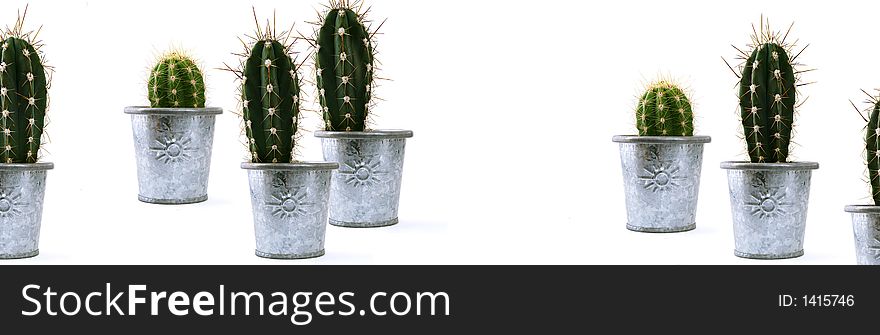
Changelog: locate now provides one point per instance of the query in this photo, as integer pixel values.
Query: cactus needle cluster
(176, 82)
(344, 66)
(24, 87)
(664, 110)
(768, 95)
(270, 95)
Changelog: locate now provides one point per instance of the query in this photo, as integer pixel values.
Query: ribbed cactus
(270, 95)
(664, 110)
(23, 95)
(344, 68)
(176, 82)
(872, 147)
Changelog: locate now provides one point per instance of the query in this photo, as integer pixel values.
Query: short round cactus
(23, 95)
(344, 68)
(664, 110)
(176, 82)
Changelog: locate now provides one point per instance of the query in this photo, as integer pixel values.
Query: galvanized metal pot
(22, 187)
(769, 206)
(290, 207)
(661, 181)
(866, 230)
(173, 151)
(366, 188)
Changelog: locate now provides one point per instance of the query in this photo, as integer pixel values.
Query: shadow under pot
(290, 205)
(866, 233)
(22, 189)
(366, 188)
(768, 202)
(173, 152)
(661, 181)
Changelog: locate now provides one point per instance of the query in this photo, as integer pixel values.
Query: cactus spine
(176, 82)
(768, 96)
(344, 68)
(23, 95)
(664, 110)
(270, 96)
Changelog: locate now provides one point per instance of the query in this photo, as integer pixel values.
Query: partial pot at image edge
(22, 189)
(661, 177)
(866, 233)
(366, 188)
(769, 204)
(290, 204)
(173, 152)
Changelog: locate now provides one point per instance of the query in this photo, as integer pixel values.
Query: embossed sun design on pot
(661, 176)
(769, 203)
(362, 171)
(10, 205)
(172, 149)
(291, 204)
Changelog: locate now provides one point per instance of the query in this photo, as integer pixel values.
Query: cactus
(270, 96)
(872, 144)
(176, 82)
(23, 95)
(768, 96)
(344, 69)
(664, 110)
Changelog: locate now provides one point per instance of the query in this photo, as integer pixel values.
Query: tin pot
(22, 187)
(661, 181)
(866, 230)
(366, 188)
(290, 207)
(769, 202)
(173, 151)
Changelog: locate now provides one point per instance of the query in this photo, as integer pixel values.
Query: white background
(513, 104)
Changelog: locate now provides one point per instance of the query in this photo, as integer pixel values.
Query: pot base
(795, 254)
(379, 224)
(661, 230)
(289, 257)
(21, 255)
(173, 201)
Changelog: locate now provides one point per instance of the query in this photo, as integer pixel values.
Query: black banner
(417, 299)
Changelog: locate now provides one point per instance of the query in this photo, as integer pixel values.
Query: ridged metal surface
(866, 233)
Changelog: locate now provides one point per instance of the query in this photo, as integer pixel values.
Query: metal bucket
(661, 178)
(173, 151)
(290, 207)
(769, 205)
(366, 188)
(866, 230)
(22, 187)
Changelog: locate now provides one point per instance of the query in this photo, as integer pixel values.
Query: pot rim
(863, 209)
(144, 110)
(297, 166)
(370, 134)
(661, 139)
(39, 166)
(791, 166)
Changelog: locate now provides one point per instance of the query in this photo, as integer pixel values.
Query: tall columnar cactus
(768, 96)
(344, 68)
(176, 82)
(872, 149)
(270, 95)
(23, 95)
(664, 110)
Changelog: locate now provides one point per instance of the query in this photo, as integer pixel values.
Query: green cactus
(344, 68)
(768, 96)
(664, 110)
(270, 95)
(23, 95)
(176, 82)
(872, 144)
